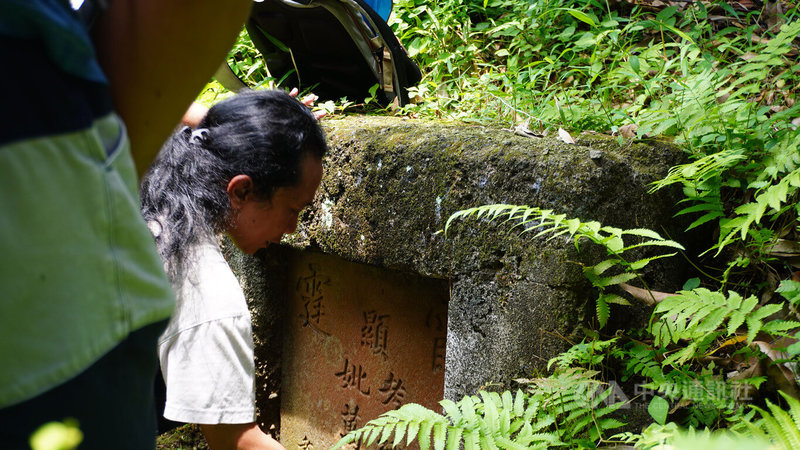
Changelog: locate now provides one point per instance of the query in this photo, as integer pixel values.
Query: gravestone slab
(358, 341)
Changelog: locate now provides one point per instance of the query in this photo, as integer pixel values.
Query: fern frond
(780, 426)
(699, 315)
(566, 407)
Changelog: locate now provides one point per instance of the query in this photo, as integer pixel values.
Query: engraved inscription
(439, 345)
(310, 289)
(305, 444)
(350, 418)
(360, 341)
(353, 375)
(374, 333)
(436, 321)
(393, 391)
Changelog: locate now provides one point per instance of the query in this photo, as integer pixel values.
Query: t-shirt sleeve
(209, 372)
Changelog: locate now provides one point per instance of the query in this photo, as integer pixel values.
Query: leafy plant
(583, 354)
(701, 317)
(670, 436)
(565, 410)
(64, 435)
(719, 81)
(545, 222)
(778, 426)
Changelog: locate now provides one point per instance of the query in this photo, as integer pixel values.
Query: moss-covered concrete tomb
(368, 306)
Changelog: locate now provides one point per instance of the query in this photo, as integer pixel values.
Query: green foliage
(584, 354)
(670, 436)
(707, 397)
(246, 62)
(701, 316)
(658, 409)
(725, 89)
(565, 410)
(780, 427)
(57, 436)
(545, 223)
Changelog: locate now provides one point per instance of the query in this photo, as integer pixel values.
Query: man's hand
(246, 436)
(309, 100)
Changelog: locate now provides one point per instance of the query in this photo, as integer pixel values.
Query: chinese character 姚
(352, 375)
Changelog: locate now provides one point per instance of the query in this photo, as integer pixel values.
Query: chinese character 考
(393, 390)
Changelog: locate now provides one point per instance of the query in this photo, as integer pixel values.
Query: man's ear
(239, 188)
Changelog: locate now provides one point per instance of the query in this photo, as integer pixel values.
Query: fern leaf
(346, 439)
(780, 326)
(603, 311)
(700, 207)
(610, 423)
(487, 443)
(616, 299)
(614, 280)
(602, 266)
(508, 401)
(467, 409)
(681, 356)
(507, 444)
(424, 435)
(542, 424)
(374, 433)
(471, 440)
(505, 422)
(773, 428)
(711, 320)
(399, 433)
(754, 323)
(735, 321)
(705, 218)
(664, 243)
(790, 433)
(642, 263)
(439, 435)
(519, 403)
(411, 432)
(452, 411)
(643, 232)
(454, 435)
(387, 431)
(490, 414)
(765, 311)
(794, 409)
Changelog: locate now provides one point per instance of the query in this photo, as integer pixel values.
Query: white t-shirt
(206, 351)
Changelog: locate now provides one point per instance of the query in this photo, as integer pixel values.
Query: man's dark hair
(264, 134)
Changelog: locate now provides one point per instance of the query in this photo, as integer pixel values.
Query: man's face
(257, 223)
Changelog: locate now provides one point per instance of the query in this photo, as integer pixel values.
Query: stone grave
(368, 306)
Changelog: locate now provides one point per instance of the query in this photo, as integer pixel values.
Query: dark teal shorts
(112, 400)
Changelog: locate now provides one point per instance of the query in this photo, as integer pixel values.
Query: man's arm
(158, 54)
(247, 436)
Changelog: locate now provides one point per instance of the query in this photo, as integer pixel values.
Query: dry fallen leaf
(649, 297)
(628, 131)
(522, 129)
(778, 373)
(564, 136)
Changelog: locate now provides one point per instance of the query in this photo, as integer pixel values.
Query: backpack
(336, 48)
